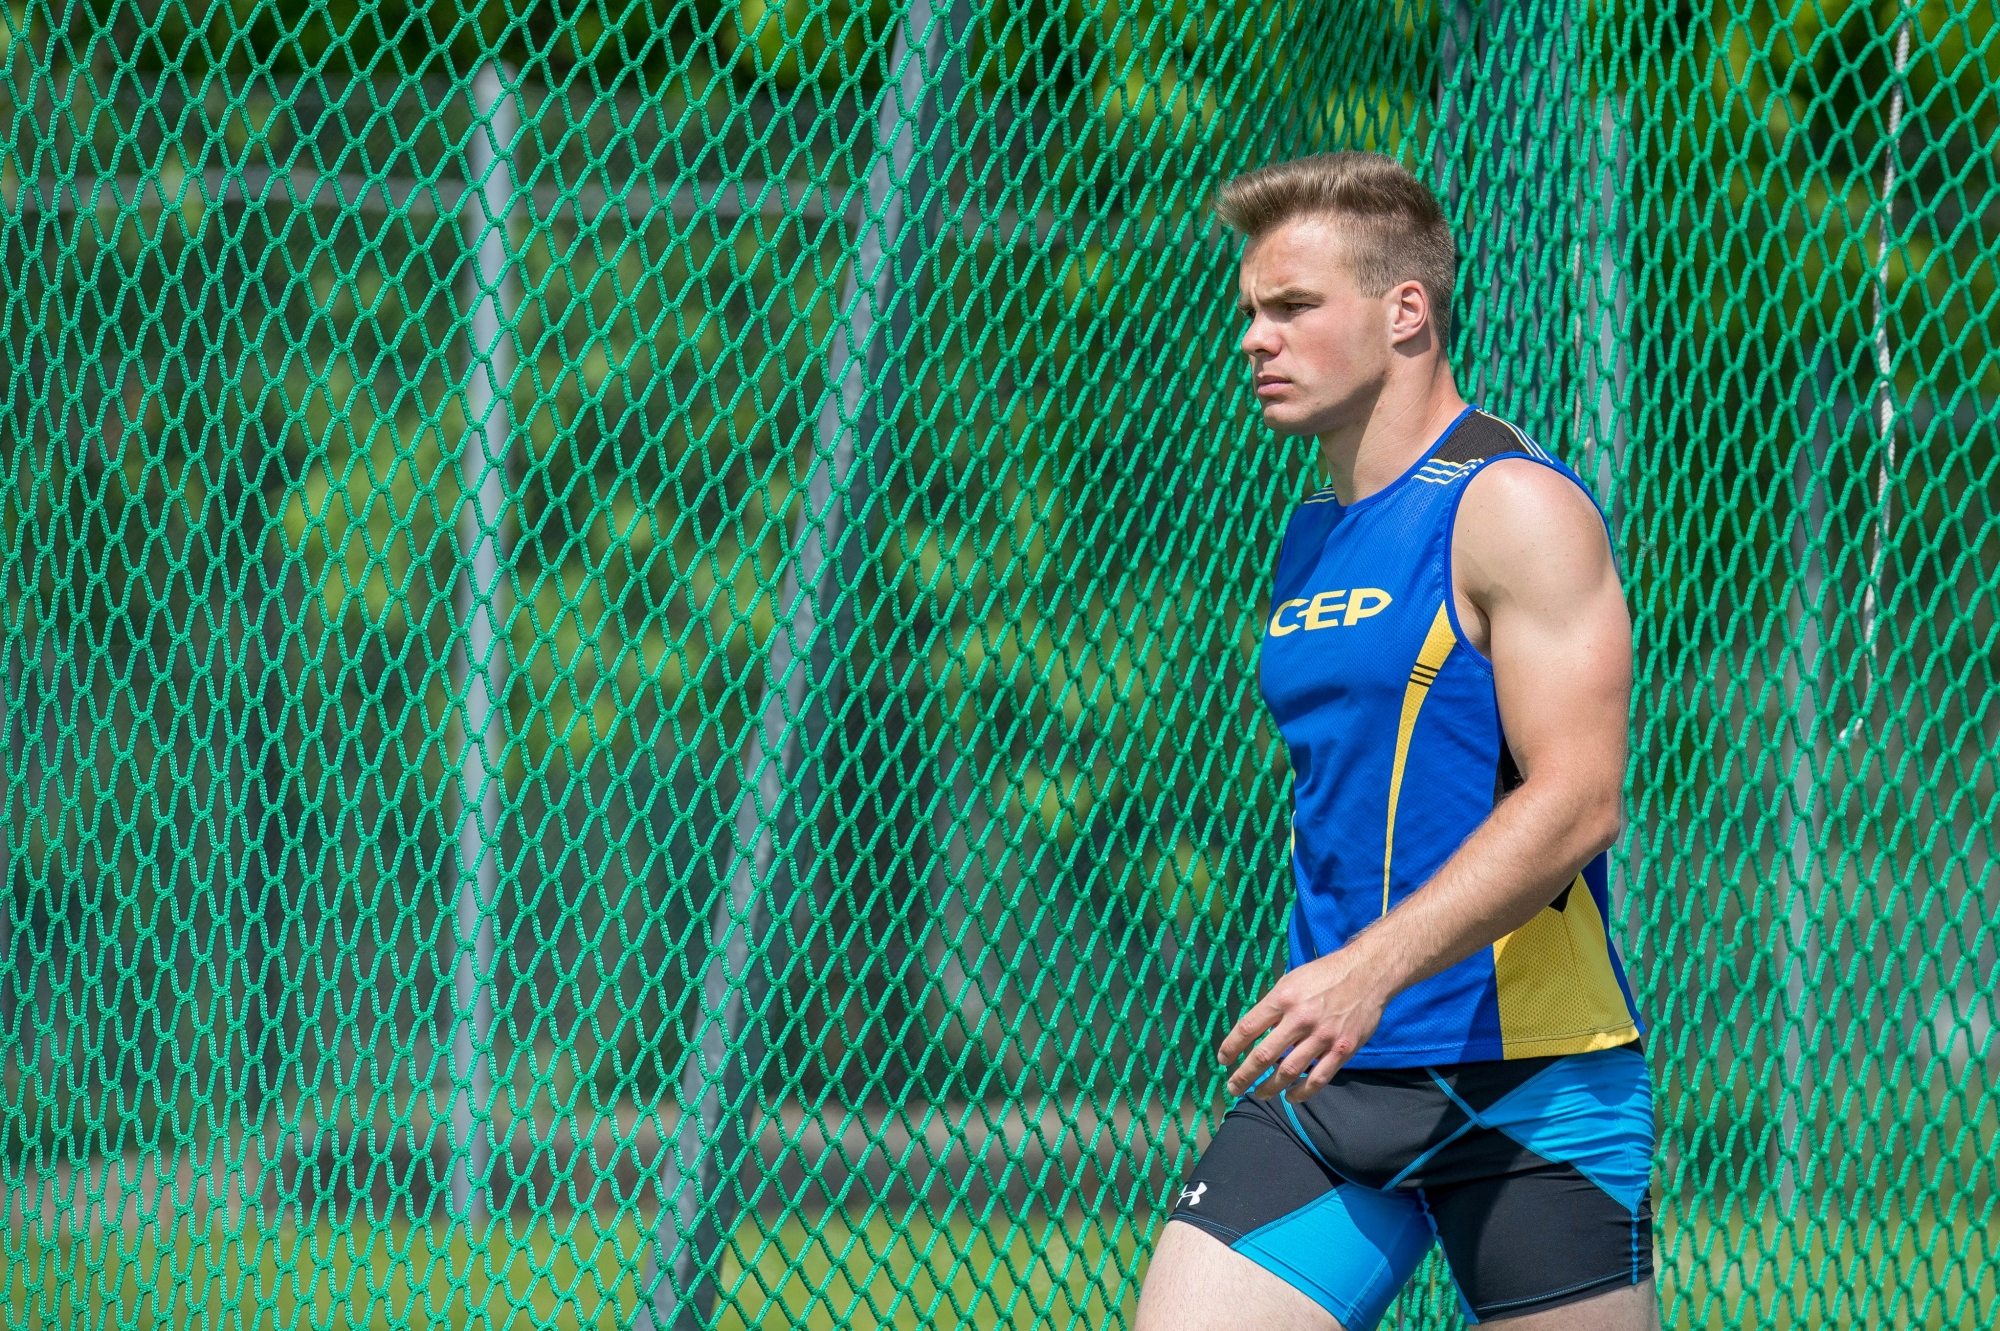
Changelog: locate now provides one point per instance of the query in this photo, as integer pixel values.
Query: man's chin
(1291, 422)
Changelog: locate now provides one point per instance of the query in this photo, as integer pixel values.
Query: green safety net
(629, 635)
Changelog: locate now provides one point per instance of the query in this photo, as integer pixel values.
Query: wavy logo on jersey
(1334, 609)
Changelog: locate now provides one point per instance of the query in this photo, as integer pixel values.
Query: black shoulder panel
(1478, 437)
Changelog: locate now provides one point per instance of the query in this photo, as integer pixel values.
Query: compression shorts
(1531, 1173)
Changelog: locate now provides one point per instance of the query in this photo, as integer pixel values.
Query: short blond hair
(1399, 232)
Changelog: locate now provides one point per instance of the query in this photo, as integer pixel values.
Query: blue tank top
(1397, 756)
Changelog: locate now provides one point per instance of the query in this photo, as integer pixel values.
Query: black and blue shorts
(1532, 1174)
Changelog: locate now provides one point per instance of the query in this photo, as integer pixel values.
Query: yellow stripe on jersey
(1528, 446)
(1557, 991)
(1430, 659)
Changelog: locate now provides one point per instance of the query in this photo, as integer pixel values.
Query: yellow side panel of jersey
(1558, 994)
(1430, 659)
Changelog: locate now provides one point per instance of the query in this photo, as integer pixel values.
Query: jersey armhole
(1451, 537)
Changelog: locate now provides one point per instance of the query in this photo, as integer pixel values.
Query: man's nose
(1259, 339)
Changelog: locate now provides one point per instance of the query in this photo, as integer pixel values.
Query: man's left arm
(1531, 555)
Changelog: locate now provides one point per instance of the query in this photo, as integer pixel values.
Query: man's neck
(1405, 419)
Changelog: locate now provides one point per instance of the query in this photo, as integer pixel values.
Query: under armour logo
(1192, 1196)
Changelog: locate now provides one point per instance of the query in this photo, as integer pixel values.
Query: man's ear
(1409, 308)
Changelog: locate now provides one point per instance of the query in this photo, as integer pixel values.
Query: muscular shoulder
(1528, 537)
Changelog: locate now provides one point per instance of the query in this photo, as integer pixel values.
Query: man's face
(1319, 349)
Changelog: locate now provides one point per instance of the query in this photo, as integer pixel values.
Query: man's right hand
(1314, 1019)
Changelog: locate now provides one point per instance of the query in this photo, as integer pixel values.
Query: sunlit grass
(567, 1274)
(326, 1277)
(1863, 1263)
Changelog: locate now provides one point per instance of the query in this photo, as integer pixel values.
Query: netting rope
(628, 635)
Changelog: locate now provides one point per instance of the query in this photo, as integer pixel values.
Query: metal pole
(1533, 129)
(1559, 263)
(10, 971)
(698, 1212)
(12, 635)
(1456, 53)
(1885, 404)
(243, 539)
(1608, 308)
(274, 812)
(489, 168)
(1801, 811)
(878, 438)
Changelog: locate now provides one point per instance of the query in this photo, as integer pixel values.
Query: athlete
(1453, 1054)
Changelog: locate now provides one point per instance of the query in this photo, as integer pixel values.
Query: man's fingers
(1294, 1065)
(1261, 1058)
(1259, 1019)
(1331, 1059)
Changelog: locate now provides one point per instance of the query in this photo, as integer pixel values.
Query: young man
(1453, 1054)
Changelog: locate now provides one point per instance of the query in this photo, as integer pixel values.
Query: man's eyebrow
(1283, 293)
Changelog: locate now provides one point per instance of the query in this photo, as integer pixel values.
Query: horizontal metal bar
(354, 191)
(584, 205)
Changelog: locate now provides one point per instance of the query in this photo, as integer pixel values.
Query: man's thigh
(1627, 1308)
(1198, 1283)
(1539, 1239)
(1541, 1202)
(1276, 1217)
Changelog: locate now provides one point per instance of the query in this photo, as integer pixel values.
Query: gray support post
(273, 830)
(49, 780)
(1607, 331)
(1521, 355)
(1801, 811)
(1458, 56)
(488, 436)
(698, 1206)
(10, 970)
(1885, 382)
(242, 539)
(878, 436)
(1607, 313)
(14, 601)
